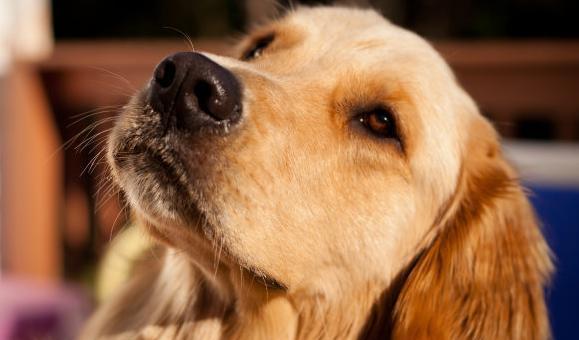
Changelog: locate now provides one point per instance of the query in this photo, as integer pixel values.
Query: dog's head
(329, 153)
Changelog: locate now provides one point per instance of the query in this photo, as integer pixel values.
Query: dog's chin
(154, 181)
(150, 169)
(166, 206)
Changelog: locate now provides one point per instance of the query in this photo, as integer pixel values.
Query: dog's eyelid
(257, 47)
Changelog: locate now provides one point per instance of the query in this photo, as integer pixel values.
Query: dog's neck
(231, 308)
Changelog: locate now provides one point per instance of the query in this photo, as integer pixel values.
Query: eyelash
(258, 47)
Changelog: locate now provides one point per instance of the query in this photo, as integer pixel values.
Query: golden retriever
(331, 182)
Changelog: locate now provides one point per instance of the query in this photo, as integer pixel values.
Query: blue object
(558, 210)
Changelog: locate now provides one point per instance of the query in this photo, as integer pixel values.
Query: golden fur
(430, 239)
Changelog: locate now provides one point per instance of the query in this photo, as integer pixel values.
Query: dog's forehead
(346, 27)
(359, 37)
(336, 18)
(336, 28)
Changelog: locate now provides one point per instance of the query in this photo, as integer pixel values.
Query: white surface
(25, 31)
(545, 163)
(5, 35)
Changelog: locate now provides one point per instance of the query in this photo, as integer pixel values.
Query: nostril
(165, 73)
(189, 90)
(202, 91)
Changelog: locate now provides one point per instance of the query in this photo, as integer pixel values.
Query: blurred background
(67, 66)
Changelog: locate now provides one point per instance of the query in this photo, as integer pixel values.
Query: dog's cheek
(295, 230)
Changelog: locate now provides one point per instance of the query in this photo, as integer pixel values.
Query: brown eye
(257, 50)
(380, 122)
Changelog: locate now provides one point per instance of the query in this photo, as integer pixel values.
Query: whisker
(116, 75)
(66, 145)
(84, 144)
(99, 144)
(92, 164)
(185, 35)
(94, 112)
(87, 130)
(115, 222)
(109, 194)
(118, 89)
(105, 180)
(90, 116)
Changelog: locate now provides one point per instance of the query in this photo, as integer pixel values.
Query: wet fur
(459, 255)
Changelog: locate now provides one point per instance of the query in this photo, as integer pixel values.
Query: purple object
(31, 310)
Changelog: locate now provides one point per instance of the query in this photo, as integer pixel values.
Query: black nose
(192, 91)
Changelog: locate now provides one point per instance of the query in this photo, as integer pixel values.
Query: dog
(332, 181)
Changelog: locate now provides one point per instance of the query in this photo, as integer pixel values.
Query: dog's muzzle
(190, 91)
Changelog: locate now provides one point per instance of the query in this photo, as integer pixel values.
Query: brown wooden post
(31, 180)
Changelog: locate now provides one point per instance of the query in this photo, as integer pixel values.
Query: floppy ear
(483, 275)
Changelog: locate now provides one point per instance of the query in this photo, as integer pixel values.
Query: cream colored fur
(431, 240)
